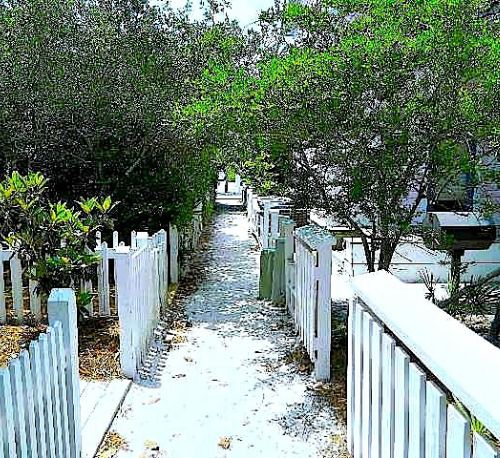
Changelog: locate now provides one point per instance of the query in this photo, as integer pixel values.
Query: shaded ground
(13, 339)
(99, 349)
(235, 383)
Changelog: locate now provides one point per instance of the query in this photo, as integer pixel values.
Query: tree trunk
(455, 270)
(387, 250)
(495, 326)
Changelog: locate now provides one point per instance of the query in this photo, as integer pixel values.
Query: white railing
(39, 390)
(407, 360)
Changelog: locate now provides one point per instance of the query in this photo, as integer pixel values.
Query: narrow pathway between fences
(232, 388)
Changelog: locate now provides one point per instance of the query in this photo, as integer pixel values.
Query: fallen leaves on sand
(225, 443)
(111, 445)
(99, 349)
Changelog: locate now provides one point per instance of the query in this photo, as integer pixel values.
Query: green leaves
(53, 240)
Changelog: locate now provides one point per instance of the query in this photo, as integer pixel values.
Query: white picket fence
(307, 267)
(39, 390)
(406, 357)
(263, 215)
(141, 280)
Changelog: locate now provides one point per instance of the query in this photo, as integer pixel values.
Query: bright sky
(244, 11)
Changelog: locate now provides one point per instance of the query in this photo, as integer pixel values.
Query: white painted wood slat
(416, 407)
(435, 422)
(48, 402)
(29, 404)
(351, 326)
(3, 312)
(376, 390)
(18, 390)
(38, 397)
(16, 275)
(358, 377)
(401, 388)
(458, 434)
(483, 449)
(7, 431)
(366, 380)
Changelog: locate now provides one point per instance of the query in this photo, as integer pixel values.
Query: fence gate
(312, 294)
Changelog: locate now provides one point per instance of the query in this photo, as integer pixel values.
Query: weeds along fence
(39, 390)
(419, 382)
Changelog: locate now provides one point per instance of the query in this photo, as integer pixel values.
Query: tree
(53, 240)
(89, 92)
(374, 107)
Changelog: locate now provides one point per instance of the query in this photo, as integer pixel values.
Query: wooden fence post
(61, 307)
(16, 276)
(287, 228)
(142, 239)
(173, 246)
(124, 289)
(265, 225)
(103, 280)
(3, 312)
(324, 310)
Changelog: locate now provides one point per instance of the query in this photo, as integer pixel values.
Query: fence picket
(29, 404)
(435, 422)
(54, 385)
(351, 326)
(18, 390)
(401, 367)
(366, 420)
(416, 420)
(16, 275)
(173, 236)
(3, 312)
(38, 398)
(60, 357)
(358, 377)
(387, 421)
(49, 416)
(376, 389)
(7, 432)
(458, 435)
(103, 281)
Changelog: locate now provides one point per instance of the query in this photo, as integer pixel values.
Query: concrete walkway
(230, 390)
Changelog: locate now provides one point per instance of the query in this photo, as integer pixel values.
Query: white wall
(411, 259)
